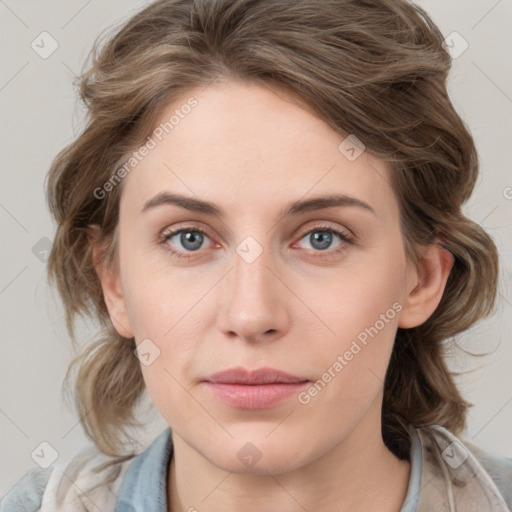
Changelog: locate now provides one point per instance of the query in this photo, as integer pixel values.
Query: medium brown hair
(374, 68)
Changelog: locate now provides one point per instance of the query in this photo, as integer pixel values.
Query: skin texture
(251, 150)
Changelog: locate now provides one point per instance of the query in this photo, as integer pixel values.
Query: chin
(257, 457)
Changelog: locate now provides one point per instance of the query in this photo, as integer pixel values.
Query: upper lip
(258, 376)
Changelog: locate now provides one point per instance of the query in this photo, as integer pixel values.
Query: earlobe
(426, 286)
(111, 285)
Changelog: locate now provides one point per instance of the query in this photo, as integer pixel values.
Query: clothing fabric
(448, 474)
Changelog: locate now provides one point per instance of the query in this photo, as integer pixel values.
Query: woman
(265, 209)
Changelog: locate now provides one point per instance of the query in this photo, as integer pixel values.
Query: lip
(254, 389)
(240, 375)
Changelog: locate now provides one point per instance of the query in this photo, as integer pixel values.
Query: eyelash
(344, 237)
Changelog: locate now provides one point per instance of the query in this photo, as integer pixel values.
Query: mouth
(256, 389)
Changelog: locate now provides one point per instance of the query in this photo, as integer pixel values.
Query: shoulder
(460, 466)
(26, 494)
(498, 467)
(73, 484)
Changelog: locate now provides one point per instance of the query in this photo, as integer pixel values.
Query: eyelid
(187, 226)
(324, 226)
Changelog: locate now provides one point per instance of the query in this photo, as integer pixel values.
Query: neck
(359, 474)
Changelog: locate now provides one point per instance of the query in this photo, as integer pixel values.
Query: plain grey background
(39, 117)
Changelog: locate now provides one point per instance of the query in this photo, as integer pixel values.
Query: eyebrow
(300, 206)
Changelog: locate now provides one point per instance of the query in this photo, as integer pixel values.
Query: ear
(111, 284)
(426, 283)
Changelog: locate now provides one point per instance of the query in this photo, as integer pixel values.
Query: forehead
(247, 142)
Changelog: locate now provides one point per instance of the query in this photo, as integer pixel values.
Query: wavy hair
(375, 68)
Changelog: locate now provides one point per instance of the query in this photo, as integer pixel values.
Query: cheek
(362, 314)
(351, 364)
(156, 295)
(355, 297)
(168, 319)
(168, 327)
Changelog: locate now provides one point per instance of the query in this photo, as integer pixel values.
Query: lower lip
(245, 396)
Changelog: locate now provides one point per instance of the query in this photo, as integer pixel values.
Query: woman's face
(263, 275)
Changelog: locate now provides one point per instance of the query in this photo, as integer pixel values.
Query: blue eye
(192, 238)
(320, 238)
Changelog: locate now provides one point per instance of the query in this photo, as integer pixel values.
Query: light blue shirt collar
(144, 486)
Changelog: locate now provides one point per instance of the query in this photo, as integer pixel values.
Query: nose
(255, 305)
